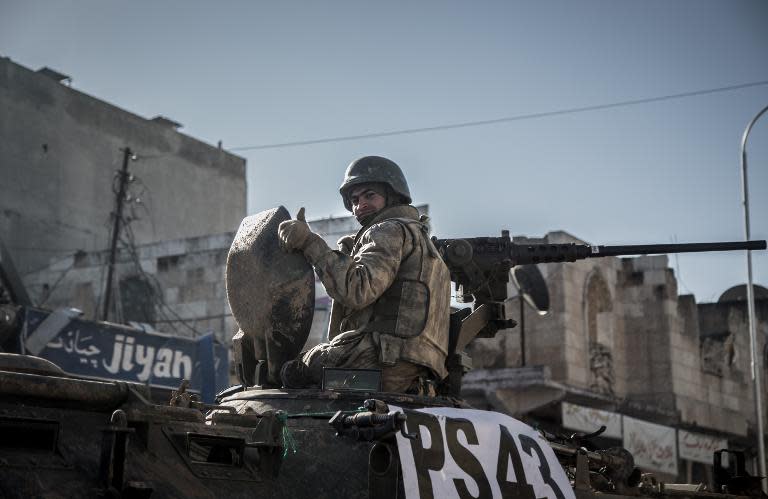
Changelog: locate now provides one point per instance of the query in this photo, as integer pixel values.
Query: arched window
(599, 324)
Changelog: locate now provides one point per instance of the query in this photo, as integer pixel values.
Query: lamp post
(756, 358)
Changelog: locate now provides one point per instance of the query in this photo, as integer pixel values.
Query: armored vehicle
(70, 436)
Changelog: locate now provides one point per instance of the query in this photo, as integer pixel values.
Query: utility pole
(123, 178)
(754, 344)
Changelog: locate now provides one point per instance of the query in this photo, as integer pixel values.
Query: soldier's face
(365, 201)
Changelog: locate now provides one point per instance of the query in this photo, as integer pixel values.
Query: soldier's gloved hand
(295, 234)
(345, 244)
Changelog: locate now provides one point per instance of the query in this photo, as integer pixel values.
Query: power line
(157, 294)
(507, 119)
(119, 200)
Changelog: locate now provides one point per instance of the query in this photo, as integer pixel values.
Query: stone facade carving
(601, 366)
(599, 322)
(718, 354)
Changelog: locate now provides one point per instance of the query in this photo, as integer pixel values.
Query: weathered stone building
(175, 287)
(59, 153)
(620, 339)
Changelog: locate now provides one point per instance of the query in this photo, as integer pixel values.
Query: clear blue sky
(256, 73)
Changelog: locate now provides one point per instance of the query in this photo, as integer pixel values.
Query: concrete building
(59, 153)
(619, 339)
(175, 287)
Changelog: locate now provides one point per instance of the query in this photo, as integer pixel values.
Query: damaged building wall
(727, 400)
(591, 332)
(618, 337)
(59, 152)
(648, 296)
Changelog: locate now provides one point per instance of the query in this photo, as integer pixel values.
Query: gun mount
(480, 268)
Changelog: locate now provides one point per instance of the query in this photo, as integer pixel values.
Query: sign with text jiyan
(113, 351)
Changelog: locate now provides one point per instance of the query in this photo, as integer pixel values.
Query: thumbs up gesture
(294, 234)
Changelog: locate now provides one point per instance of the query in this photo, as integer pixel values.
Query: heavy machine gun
(480, 268)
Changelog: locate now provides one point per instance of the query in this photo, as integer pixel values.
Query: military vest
(410, 319)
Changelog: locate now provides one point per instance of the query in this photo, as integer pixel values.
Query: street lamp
(756, 370)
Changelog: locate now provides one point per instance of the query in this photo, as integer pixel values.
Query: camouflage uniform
(391, 302)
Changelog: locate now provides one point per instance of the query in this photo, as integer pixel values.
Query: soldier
(390, 287)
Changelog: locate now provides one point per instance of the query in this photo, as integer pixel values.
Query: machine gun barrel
(480, 268)
(522, 254)
(598, 458)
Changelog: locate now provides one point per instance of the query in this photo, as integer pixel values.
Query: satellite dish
(530, 282)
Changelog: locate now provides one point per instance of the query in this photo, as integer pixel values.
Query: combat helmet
(374, 169)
